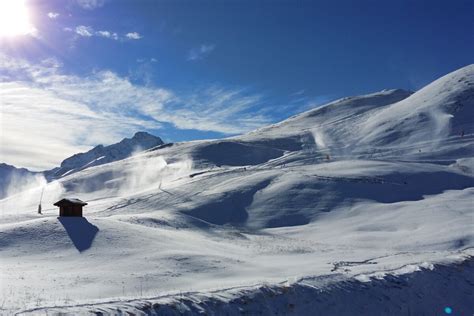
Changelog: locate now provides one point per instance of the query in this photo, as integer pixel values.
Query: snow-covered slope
(100, 154)
(356, 190)
(430, 290)
(388, 124)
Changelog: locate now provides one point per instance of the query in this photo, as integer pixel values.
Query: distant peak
(100, 146)
(6, 166)
(143, 135)
(101, 154)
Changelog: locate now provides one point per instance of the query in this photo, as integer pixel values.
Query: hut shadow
(80, 231)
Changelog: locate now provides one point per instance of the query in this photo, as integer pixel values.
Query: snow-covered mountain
(14, 179)
(391, 122)
(101, 154)
(366, 198)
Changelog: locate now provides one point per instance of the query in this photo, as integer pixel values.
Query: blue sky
(94, 71)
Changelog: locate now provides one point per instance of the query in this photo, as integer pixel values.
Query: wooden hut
(70, 207)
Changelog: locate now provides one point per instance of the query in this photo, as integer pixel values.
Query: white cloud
(48, 115)
(38, 123)
(90, 4)
(104, 33)
(51, 63)
(53, 15)
(84, 31)
(146, 60)
(133, 35)
(200, 52)
(229, 111)
(88, 31)
(107, 34)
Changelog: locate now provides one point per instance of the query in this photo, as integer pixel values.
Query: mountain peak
(101, 154)
(141, 135)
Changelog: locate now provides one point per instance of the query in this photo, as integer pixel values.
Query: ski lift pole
(41, 199)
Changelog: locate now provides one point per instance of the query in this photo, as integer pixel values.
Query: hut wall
(76, 210)
(70, 210)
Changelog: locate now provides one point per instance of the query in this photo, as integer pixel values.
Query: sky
(78, 73)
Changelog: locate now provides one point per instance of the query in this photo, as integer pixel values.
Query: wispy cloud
(145, 60)
(39, 125)
(84, 31)
(200, 52)
(88, 31)
(107, 34)
(299, 101)
(133, 35)
(144, 71)
(53, 15)
(229, 111)
(90, 4)
(39, 99)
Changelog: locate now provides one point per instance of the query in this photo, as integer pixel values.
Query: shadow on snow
(80, 231)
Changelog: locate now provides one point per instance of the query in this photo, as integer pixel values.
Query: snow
(71, 200)
(263, 220)
(100, 155)
(429, 290)
(13, 180)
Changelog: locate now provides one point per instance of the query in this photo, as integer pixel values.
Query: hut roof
(70, 201)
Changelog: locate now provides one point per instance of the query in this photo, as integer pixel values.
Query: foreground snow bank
(428, 291)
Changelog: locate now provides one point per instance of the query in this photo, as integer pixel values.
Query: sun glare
(14, 18)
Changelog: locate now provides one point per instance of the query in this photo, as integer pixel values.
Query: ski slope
(347, 194)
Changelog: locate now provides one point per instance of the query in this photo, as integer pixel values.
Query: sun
(14, 18)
